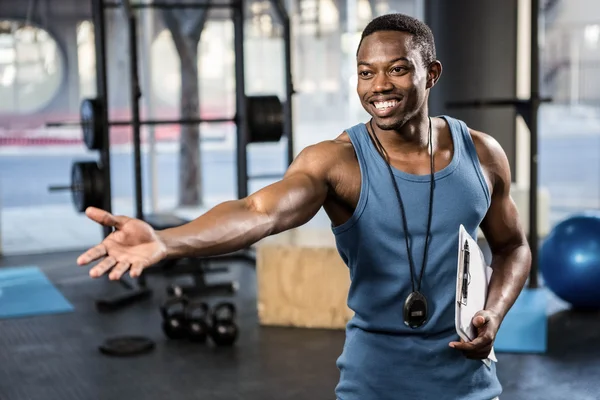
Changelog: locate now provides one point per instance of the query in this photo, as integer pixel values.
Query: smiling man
(396, 189)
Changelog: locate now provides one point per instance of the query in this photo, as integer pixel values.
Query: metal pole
(175, 121)
(173, 6)
(240, 101)
(150, 122)
(102, 95)
(135, 95)
(533, 148)
(148, 24)
(289, 84)
(289, 126)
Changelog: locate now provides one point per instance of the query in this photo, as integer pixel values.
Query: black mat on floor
(56, 356)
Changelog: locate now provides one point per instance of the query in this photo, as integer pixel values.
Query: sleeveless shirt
(382, 358)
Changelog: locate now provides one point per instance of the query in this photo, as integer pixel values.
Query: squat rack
(242, 119)
(257, 118)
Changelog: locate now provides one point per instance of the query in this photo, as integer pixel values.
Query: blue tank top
(383, 359)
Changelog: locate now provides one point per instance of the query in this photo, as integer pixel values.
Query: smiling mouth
(385, 108)
(383, 105)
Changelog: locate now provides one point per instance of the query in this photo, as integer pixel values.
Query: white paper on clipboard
(471, 287)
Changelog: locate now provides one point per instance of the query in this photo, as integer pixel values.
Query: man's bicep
(296, 198)
(501, 225)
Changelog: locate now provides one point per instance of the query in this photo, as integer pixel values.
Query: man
(396, 190)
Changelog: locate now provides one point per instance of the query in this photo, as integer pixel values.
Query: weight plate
(125, 346)
(97, 187)
(87, 181)
(77, 180)
(90, 113)
(265, 118)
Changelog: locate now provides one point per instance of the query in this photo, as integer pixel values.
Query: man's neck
(413, 136)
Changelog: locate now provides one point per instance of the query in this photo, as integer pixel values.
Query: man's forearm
(228, 227)
(511, 269)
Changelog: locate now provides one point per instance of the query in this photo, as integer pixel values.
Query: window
(31, 67)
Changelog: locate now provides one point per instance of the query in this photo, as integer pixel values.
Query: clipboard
(472, 279)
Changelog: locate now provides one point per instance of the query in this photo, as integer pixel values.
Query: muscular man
(396, 190)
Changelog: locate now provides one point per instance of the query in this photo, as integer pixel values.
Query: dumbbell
(197, 326)
(223, 330)
(194, 321)
(174, 323)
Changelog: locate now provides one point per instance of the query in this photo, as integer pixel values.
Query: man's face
(392, 79)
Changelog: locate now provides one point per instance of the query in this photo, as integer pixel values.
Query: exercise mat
(26, 291)
(524, 329)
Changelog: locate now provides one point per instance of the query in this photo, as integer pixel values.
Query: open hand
(487, 324)
(134, 245)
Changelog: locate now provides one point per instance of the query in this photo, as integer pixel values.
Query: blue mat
(26, 291)
(525, 327)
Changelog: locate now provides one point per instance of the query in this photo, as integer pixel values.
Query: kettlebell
(174, 323)
(223, 330)
(197, 324)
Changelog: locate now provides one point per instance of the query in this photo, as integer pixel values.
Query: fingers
(479, 354)
(136, 269)
(480, 320)
(485, 317)
(479, 348)
(486, 323)
(461, 345)
(92, 254)
(477, 343)
(481, 341)
(102, 267)
(105, 218)
(118, 270)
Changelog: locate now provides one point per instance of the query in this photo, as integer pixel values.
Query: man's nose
(382, 83)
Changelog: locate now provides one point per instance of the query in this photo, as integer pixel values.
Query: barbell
(265, 124)
(265, 120)
(87, 185)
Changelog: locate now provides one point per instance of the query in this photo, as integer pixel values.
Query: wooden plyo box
(302, 280)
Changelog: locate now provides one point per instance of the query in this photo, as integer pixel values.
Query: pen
(465, 270)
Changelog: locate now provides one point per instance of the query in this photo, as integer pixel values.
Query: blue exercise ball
(570, 260)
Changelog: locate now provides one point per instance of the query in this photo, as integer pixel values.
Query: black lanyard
(419, 316)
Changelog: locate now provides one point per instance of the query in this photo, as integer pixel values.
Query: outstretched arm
(236, 224)
(511, 257)
(228, 227)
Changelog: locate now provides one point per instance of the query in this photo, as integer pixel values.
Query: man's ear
(433, 73)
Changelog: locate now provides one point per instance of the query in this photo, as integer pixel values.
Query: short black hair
(404, 23)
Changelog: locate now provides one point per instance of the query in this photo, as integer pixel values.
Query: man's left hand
(487, 323)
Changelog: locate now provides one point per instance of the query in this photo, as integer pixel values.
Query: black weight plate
(87, 181)
(90, 113)
(97, 186)
(125, 346)
(77, 182)
(265, 119)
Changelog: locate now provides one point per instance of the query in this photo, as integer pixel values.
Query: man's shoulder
(488, 148)
(491, 156)
(486, 145)
(332, 150)
(323, 158)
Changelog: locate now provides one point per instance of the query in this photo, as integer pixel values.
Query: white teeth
(385, 104)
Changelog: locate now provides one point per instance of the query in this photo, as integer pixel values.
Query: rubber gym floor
(56, 357)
